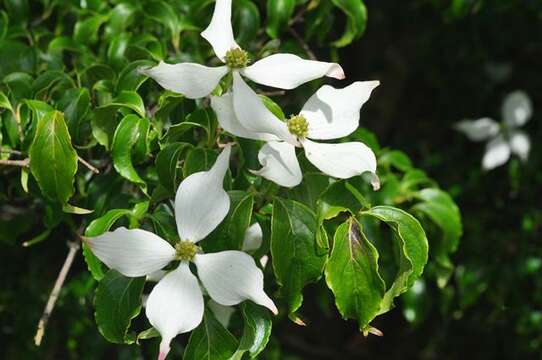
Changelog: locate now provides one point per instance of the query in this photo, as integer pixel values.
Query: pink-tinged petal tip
(164, 349)
(336, 72)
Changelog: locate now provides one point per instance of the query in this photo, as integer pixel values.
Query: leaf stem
(74, 247)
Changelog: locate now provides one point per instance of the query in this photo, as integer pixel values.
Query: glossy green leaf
(117, 302)
(356, 20)
(246, 21)
(53, 160)
(125, 138)
(279, 13)
(86, 31)
(257, 329)
(443, 211)
(167, 164)
(413, 248)
(210, 341)
(229, 235)
(352, 274)
(297, 260)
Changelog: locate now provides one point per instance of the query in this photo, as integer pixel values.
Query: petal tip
(336, 72)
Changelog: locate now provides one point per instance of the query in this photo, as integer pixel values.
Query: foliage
(71, 92)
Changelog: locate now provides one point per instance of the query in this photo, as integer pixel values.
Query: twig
(88, 165)
(303, 44)
(21, 163)
(74, 247)
(273, 93)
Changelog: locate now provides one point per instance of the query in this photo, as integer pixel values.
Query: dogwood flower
(175, 304)
(284, 71)
(504, 139)
(329, 114)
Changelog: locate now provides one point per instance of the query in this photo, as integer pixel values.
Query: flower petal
(334, 113)
(201, 202)
(520, 144)
(192, 80)
(175, 305)
(497, 153)
(288, 71)
(223, 107)
(517, 109)
(133, 253)
(231, 277)
(478, 130)
(219, 33)
(343, 160)
(279, 163)
(252, 113)
(253, 237)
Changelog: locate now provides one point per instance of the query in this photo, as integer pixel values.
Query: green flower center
(298, 126)
(185, 250)
(236, 58)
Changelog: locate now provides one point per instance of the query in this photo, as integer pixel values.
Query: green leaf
(53, 160)
(297, 260)
(104, 123)
(86, 31)
(4, 102)
(413, 248)
(257, 329)
(356, 20)
(395, 158)
(443, 211)
(352, 274)
(246, 21)
(279, 13)
(210, 340)
(229, 235)
(117, 302)
(167, 164)
(126, 136)
(439, 207)
(339, 197)
(164, 14)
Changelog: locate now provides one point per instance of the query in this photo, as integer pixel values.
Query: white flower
(285, 71)
(329, 114)
(503, 139)
(175, 305)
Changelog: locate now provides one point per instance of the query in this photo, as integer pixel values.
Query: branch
(74, 246)
(21, 163)
(88, 165)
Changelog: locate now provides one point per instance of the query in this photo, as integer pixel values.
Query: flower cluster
(175, 304)
(504, 139)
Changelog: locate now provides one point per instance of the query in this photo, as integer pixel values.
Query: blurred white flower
(329, 114)
(284, 71)
(175, 304)
(505, 138)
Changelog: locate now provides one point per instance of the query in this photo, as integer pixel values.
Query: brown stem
(273, 93)
(21, 163)
(88, 165)
(74, 246)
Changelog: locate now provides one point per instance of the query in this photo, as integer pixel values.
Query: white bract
(284, 71)
(503, 139)
(329, 114)
(175, 305)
